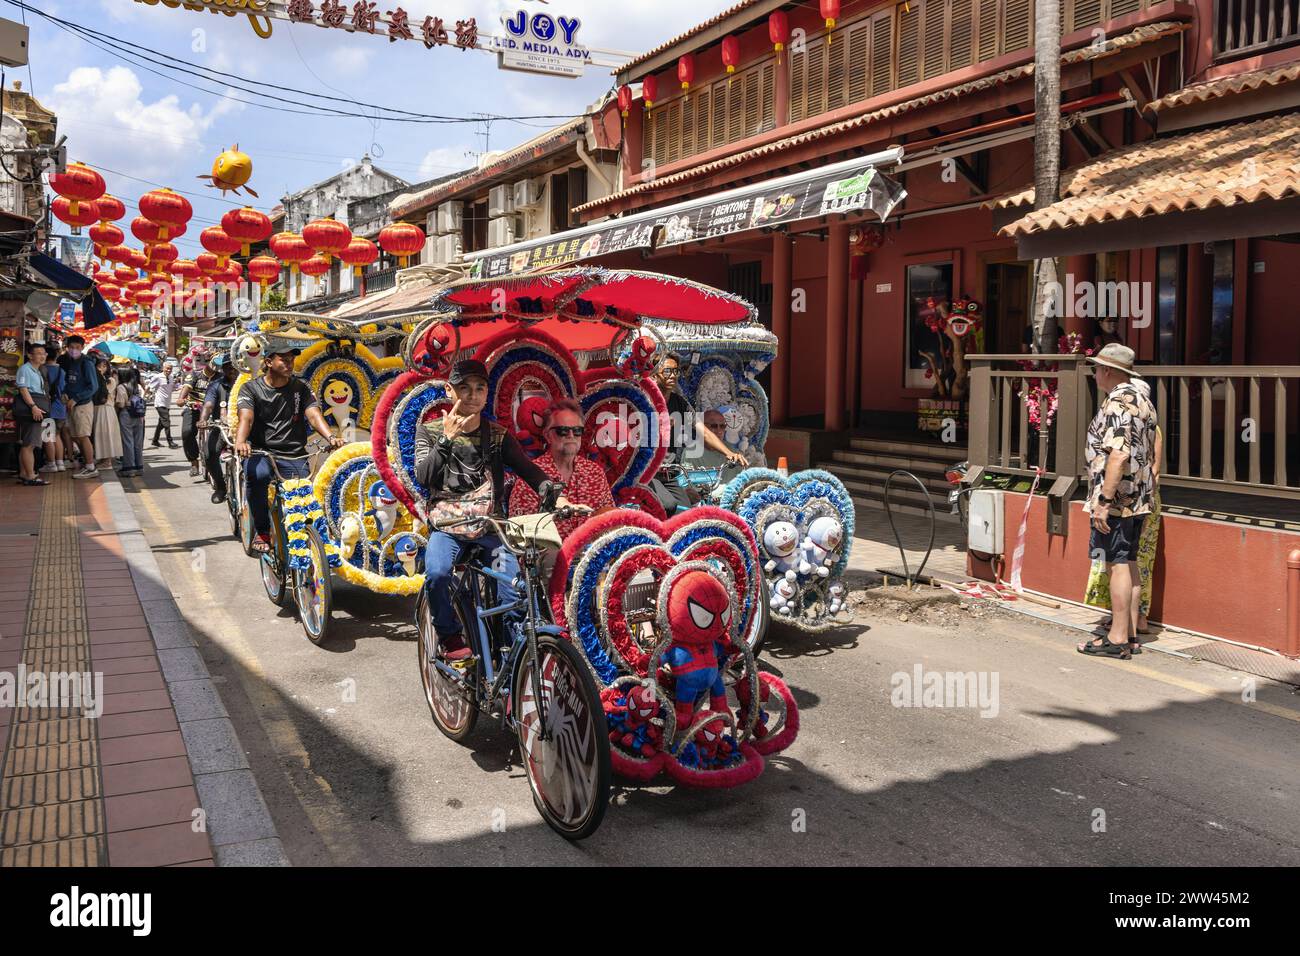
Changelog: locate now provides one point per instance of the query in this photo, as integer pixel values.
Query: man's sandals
(1102, 647)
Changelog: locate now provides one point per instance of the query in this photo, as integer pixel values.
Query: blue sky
(152, 127)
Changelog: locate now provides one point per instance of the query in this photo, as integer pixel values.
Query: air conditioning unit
(528, 193)
(450, 217)
(501, 232)
(501, 200)
(449, 249)
(429, 254)
(431, 224)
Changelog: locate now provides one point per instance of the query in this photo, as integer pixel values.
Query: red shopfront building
(1179, 145)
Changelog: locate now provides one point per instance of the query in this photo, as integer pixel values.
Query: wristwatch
(1102, 499)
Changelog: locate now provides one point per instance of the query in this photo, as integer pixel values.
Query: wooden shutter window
(882, 53)
(933, 58)
(661, 136)
(687, 136)
(909, 44)
(718, 126)
(768, 94)
(961, 30)
(1018, 28)
(836, 68)
(815, 60)
(859, 53)
(702, 103)
(1119, 8)
(1083, 13)
(988, 27)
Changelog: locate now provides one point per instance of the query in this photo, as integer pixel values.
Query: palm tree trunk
(1047, 156)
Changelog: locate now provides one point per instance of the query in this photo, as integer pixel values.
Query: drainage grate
(1242, 659)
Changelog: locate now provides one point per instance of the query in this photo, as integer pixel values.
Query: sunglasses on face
(564, 431)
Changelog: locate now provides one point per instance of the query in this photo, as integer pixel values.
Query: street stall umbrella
(263, 270)
(290, 249)
(129, 350)
(111, 209)
(73, 284)
(215, 240)
(326, 237)
(105, 237)
(359, 254)
(74, 214)
(76, 185)
(401, 239)
(170, 210)
(246, 225)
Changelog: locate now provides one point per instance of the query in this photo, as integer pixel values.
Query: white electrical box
(501, 200)
(527, 194)
(13, 43)
(450, 216)
(984, 527)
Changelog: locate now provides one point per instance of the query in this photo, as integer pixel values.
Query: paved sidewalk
(143, 768)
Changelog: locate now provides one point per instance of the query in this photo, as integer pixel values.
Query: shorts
(82, 419)
(1120, 544)
(29, 431)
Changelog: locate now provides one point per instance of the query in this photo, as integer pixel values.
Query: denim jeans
(258, 474)
(132, 441)
(445, 551)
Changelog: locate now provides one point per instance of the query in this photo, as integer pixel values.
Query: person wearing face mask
(81, 382)
(107, 437)
(462, 457)
(584, 481)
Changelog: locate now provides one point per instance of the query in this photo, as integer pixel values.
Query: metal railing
(1225, 426)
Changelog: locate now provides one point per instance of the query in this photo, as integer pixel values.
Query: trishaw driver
(682, 426)
(455, 456)
(275, 411)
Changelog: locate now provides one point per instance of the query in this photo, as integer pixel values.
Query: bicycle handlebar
(499, 525)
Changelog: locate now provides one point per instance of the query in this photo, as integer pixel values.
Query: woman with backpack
(129, 401)
(107, 431)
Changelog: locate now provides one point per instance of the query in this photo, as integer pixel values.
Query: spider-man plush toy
(633, 728)
(529, 419)
(699, 617)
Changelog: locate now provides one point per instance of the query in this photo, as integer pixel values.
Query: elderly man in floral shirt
(1120, 448)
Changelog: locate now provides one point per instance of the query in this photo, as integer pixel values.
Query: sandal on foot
(1101, 647)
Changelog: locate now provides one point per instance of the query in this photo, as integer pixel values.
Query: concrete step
(868, 474)
(902, 500)
(889, 462)
(910, 449)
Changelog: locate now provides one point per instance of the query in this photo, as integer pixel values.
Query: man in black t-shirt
(276, 411)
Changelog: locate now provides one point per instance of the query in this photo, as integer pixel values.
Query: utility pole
(1047, 159)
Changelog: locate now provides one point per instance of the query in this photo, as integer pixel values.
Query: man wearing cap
(1120, 451)
(193, 387)
(275, 412)
(455, 456)
(213, 405)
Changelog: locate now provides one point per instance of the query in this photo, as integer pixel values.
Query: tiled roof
(1222, 166)
(409, 202)
(1228, 86)
(1143, 34)
(693, 31)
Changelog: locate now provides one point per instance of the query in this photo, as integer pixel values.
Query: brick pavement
(80, 787)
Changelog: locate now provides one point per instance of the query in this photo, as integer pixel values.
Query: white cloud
(351, 59)
(445, 159)
(109, 123)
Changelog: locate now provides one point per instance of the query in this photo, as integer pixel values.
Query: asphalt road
(1154, 761)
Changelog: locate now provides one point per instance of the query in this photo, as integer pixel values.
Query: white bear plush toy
(783, 595)
(821, 547)
(781, 542)
(836, 592)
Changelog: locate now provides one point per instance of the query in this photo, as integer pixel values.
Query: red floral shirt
(587, 486)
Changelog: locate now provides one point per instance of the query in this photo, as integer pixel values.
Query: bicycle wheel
(314, 591)
(272, 563)
(569, 771)
(452, 710)
(246, 530)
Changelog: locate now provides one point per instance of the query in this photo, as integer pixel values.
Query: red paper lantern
(75, 213)
(315, 266)
(359, 254)
(263, 270)
(624, 99)
(830, 12)
(686, 70)
(209, 264)
(290, 249)
(124, 274)
(731, 53)
(215, 240)
(146, 230)
(650, 90)
(402, 239)
(162, 254)
(111, 209)
(109, 290)
(78, 184)
(170, 210)
(326, 237)
(247, 225)
(778, 30)
(105, 236)
(187, 269)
